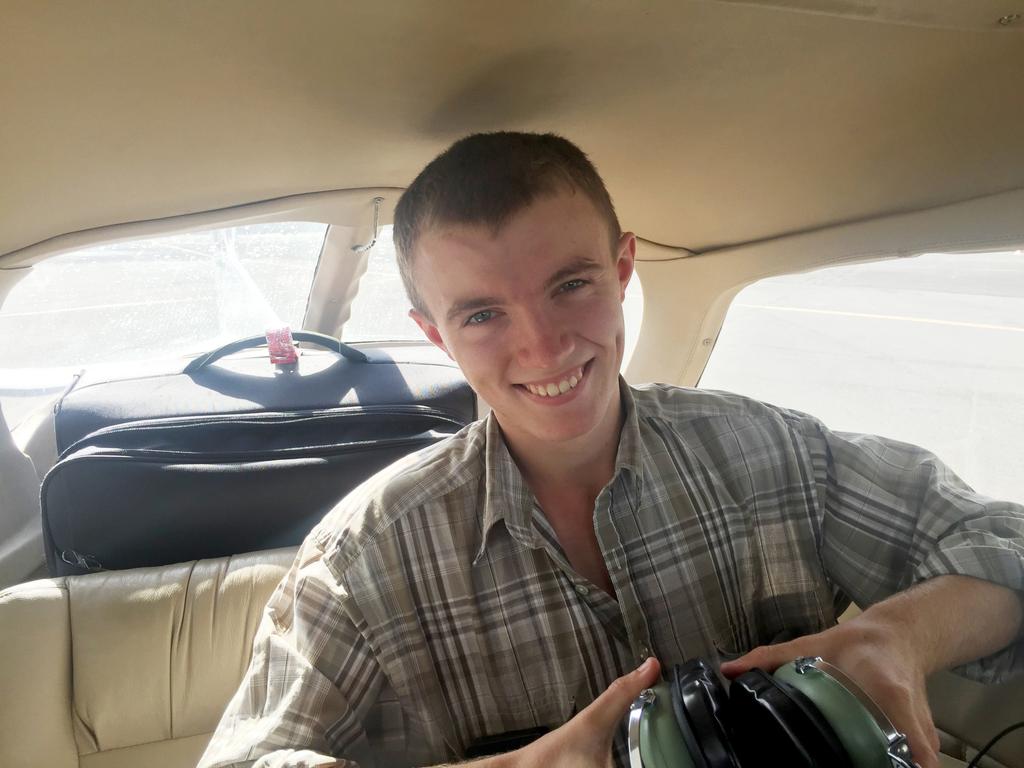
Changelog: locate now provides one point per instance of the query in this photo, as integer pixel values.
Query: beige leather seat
(127, 668)
(133, 668)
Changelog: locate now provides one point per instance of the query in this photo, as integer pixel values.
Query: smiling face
(533, 316)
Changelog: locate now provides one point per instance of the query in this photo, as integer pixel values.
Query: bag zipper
(265, 417)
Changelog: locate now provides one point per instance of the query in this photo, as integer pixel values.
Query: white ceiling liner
(951, 14)
(714, 123)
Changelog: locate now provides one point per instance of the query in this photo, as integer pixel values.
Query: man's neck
(576, 469)
(566, 479)
(578, 475)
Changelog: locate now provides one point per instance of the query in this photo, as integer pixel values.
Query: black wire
(987, 747)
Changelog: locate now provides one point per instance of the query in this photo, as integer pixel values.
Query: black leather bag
(235, 457)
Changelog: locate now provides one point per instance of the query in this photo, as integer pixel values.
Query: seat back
(128, 667)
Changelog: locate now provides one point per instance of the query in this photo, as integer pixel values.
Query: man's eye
(480, 317)
(572, 285)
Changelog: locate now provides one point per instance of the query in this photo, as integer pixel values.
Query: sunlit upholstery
(127, 667)
(131, 668)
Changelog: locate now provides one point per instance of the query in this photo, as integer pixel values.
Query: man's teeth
(551, 389)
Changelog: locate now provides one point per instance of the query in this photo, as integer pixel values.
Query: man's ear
(625, 255)
(430, 331)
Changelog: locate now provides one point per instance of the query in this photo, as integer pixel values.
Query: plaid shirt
(434, 605)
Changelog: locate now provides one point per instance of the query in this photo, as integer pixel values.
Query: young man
(511, 577)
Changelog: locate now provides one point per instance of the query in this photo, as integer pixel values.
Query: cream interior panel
(35, 677)
(213, 643)
(336, 282)
(696, 112)
(349, 207)
(21, 543)
(36, 437)
(950, 14)
(20, 536)
(686, 296)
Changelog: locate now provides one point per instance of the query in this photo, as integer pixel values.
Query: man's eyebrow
(582, 264)
(460, 307)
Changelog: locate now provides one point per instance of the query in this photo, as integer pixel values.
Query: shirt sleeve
(311, 681)
(895, 515)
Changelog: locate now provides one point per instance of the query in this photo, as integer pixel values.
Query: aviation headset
(809, 714)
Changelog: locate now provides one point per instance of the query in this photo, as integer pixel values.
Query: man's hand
(586, 740)
(894, 645)
(885, 666)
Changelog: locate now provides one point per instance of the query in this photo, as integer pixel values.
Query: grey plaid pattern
(434, 605)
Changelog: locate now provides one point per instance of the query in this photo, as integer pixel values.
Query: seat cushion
(128, 667)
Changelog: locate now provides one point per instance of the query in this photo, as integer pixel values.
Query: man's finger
(924, 742)
(920, 747)
(608, 709)
(766, 657)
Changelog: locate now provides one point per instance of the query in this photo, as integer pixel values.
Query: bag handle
(318, 339)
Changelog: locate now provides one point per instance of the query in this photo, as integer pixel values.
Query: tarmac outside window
(928, 350)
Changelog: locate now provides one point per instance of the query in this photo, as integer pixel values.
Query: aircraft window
(155, 298)
(928, 350)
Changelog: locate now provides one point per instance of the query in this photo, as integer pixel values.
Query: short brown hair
(486, 179)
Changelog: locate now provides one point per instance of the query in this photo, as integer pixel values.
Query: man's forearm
(951, 620)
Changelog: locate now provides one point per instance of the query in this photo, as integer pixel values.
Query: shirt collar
(508, 498)
(630, 454)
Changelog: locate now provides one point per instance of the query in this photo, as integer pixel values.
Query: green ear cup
(857, 725)
(853, 724)
(661, 743)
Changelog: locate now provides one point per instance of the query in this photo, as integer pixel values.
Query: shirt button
(645, 652)
(582, 590)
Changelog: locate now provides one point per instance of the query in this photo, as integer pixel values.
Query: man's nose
(543, 342)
